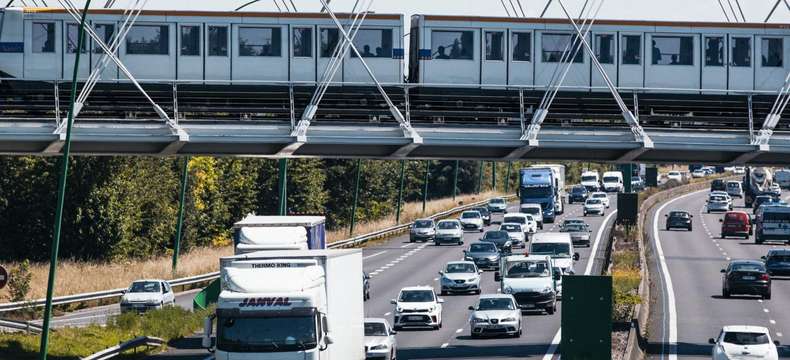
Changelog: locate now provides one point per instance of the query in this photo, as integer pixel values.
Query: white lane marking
(435, 279)
(373, 255)
(590, 263)
(445, 345)
(407, 245)
(760, 301)
(672, 311)
(459, 331)
(772, 321)
(765, 310)
(387, 313)
(779, 334)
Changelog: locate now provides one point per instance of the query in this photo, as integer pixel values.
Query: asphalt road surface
(690, 309)
(398, 263)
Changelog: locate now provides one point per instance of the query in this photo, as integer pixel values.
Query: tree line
(126, 207)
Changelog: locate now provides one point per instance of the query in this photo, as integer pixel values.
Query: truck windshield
(527, 269)
(553, 249)
(589, 178)
(266, 334)
(611, 179)
(537, 191)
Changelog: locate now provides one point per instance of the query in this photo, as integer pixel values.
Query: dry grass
(82, 277)
(410, 212)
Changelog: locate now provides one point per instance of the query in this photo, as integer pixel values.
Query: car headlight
(478, 320)
(398, 309)
(379, 347)
(152, 302)
(510, 319)
(547, 290)
(446, 280)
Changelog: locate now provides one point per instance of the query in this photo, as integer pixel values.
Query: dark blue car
(578, 194)
(778, 262)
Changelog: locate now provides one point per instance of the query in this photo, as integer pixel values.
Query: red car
(736, 223)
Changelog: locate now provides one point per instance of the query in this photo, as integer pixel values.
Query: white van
(559, 247)
(591, 180)
(535, 210)
(613, 181)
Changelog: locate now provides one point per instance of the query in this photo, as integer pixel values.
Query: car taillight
(765, 277)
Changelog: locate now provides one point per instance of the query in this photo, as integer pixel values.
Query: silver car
(734, 189)
(497, 205)
(449, 231)
(460, 276)
(494, 315)
(718, 202)
(380, 342)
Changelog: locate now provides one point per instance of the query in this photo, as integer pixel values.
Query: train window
(495, 49)
(190, 40)
(217, 41)
(373, 43)
(329, 42)
(772, 52)
(72, 37)
(604, 48)
(452, 45)
(741, 51)
(555, 46)
(148, 40)
(672, 50)
(105, 32)
(43, 37)
(714, 51)
(522, 46)
(303, 42)
(259, 41)
(632, 49)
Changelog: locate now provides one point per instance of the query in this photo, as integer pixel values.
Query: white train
(40, 44)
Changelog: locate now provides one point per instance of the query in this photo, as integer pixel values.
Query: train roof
(668, 23)
(199, 13)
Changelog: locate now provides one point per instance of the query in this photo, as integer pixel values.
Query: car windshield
(679, 214)
(483, 248)
(574, 228)
(266, 334)
(553, 249)
(145, 287)
(460, 268)
(496, 201)
(589, 178)
(578, 190)
(448, 225)
(510, 227)
(732, 217)
(750, 267)
(528, 269)
(416, 296)
(776, 217)
(470, 215)
(610, 179)
(593, 201)
(573, 222)
(515, 219)
(674, 173)
(599, 196)
(745, 338)
(717, 198)
(375, 329)
(496, 304)
(495, 235)
(421, 224)
(531, 210)
(779, 258)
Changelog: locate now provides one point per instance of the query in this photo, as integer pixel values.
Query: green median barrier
(207, 296)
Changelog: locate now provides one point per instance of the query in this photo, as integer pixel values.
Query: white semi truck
(287, 305)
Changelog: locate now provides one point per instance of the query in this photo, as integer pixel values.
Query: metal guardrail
(108, 294)
(25, 326)
(128, 345)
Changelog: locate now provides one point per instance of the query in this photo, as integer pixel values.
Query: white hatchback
(601, 196)
(742, 342)
(417, 306)
(144, 295)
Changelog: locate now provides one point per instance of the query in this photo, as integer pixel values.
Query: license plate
(749, 278)
(415, 318)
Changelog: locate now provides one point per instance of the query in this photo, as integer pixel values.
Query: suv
(718, 185)
(578, 193)
(472, 220)
(449, 231)
(778, 262)
(144, 295)
(422, 230)
(497, 205)
(736, 223)
(417, 306)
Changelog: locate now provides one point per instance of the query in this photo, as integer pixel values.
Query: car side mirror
(479, 271)
(712, 341)
(691, 216)
(440, 301)
(472, 308)
(328, 339)
(576, 257)
(393, 302)
(723, 271)
(666, 215)
(441, 272)
(497, 276)
(393, 332)
(777, 343)
(764, 257)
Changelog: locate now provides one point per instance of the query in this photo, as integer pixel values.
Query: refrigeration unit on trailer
(256, 233)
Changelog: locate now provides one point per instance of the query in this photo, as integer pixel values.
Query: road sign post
(180, 224)
(455, 179)
(283, 187)
(356, 197)
(3, 277)
(400, 191)
(425, 184)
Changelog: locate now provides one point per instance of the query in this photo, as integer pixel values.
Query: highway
(690, 309)
(397, 263)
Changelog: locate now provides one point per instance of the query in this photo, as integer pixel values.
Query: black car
(747, 277)
(365, 286)
(679, 220)
(500, 238)
(778, 262)
(485, 213)
(484, 254)
(718, 185)
(578, 194)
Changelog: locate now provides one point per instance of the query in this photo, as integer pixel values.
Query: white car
(417, 306)
(527, 220)
(532, 209)
(449, 231)
(495, 314)
(675, 175)
(744, 342)
(698, 174)
(515, 231)
(739, 170)
(460, 276)
(380, 342)
(602, 196)
(144, 295)
(497, 205)
(734, 189)
(594, 206)
(472, 220)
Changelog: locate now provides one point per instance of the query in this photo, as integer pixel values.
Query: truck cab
(537, 186)
(531, 279)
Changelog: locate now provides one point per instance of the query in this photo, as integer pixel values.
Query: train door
(771, 67)
(43, 49)
(70, 39)
(494, 49)
(632, 70)
(714, 56)
(303, 53)
(328, 41)
(522, 63)
(106, 32)
(217, 51)
(741, 69)
(605, 48)
(190, 51)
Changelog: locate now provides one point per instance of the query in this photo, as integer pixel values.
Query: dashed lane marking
(445, 345)
(373, 255)
(459, 331)
(407, 245)
(387, 313)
